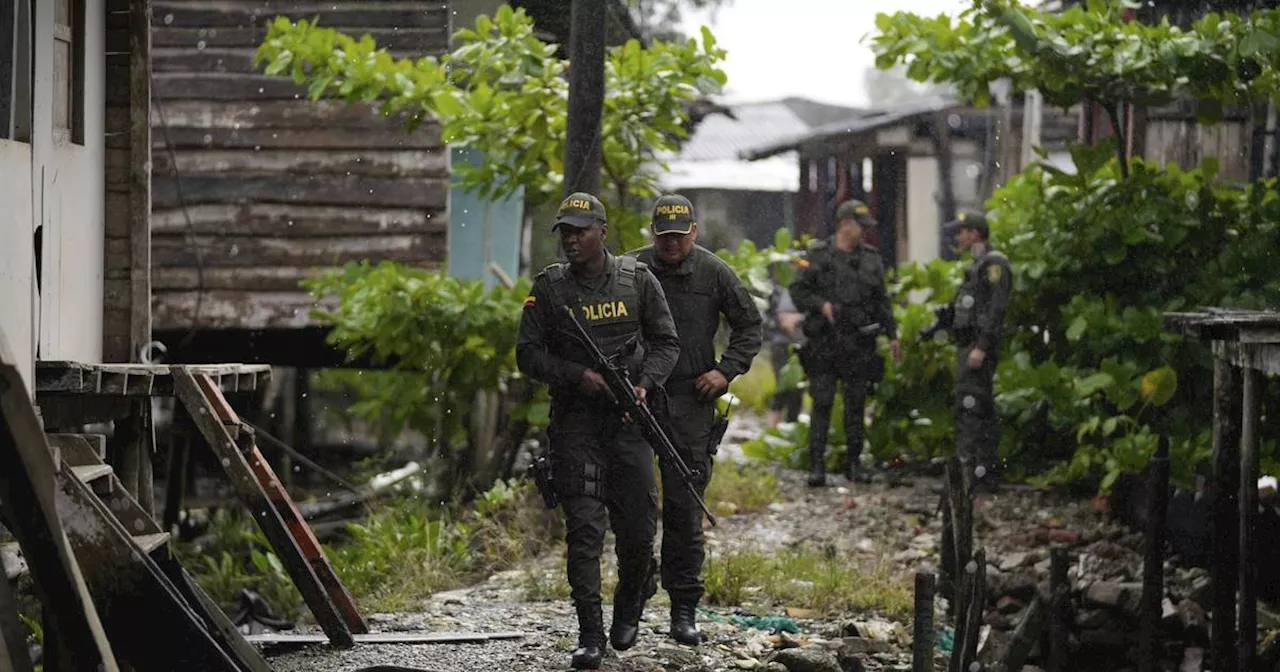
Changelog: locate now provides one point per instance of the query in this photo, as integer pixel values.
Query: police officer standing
(841, 290)
(597, 478)
(700, 287)
(975, 319)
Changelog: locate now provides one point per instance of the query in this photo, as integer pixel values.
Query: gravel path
(876, 522)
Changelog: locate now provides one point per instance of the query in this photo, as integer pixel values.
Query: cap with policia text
(855, 210)
(580, 210)
(969, 220)
(673, 214)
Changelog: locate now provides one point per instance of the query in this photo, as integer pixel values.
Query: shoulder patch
(994, 273)
(530, 301)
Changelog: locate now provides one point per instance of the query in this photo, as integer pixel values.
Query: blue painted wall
(467, 228)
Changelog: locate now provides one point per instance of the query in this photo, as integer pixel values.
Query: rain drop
(200, 45)
(168, 19)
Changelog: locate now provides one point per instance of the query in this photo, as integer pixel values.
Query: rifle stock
(624, 392)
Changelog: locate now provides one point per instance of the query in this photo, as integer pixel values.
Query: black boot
(627, 610)
(683, 628)
(853, 471)
(817, 468)
(591, 641)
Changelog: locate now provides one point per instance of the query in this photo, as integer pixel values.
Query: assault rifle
(624, 392)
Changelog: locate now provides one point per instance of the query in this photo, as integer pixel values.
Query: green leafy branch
(1089, 52)
(501, 91)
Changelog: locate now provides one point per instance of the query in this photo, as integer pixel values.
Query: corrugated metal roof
(720, 137)
(778, 173)
(862, 123)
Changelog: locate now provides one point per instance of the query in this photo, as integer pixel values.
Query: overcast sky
(808, 48)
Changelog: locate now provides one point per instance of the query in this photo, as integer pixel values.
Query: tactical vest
(611, 314)
(974, 292)
(849, 282)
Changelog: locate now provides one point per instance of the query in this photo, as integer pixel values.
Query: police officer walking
(700, 287)
(597, 477)
(975, 319)
(841, 290)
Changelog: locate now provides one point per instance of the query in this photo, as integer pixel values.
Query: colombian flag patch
(529, 301)
(804, 263)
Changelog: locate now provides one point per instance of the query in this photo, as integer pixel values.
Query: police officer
(700, 287)
(616, 298)
(841, 290)
(974, 320)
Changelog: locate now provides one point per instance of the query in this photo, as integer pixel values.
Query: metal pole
(1248, 604)
(922, 630)
(1226, 526)
(1153, 565)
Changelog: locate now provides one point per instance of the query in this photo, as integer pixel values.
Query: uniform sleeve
(532, 355)
(745, 325)
(886, 306)
(805, 292)
(991, 320)
(661, 342)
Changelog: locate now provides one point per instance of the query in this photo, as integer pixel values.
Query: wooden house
(258, 188)
(890, 159)
(74, 251)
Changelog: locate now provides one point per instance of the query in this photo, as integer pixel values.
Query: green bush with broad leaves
(1099, 259)
(502, 91)
(443, 339)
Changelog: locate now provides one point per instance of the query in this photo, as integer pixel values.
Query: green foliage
(1088, 50)
(1092, 379)
(236, 556)
(501, 91)
(741, 488)
(759, 268)
(445, 339)
(806, 579)
(408, 549)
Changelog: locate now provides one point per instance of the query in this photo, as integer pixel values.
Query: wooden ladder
(111, 590)
(262, 492)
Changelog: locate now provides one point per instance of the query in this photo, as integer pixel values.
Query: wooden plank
(296, 221)
(389, 638)
(117, 215)
(237, 310)
(1226, 487)
(140, 191)
(116, 162)
(371, 163)
(232, 59)
(306, 539)
(1264, 357)
(315, 190)
(423, 41)
(348, 14)
(273, 114)
(1247, 600)
(375, 135)
(240, 252)
(272, 279)
(256, 499)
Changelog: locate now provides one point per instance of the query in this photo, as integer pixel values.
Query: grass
(755, 387)
(828, 584)
(741, 488)
(404, 551)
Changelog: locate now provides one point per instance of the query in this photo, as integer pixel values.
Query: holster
(718, 428)
(544, 478)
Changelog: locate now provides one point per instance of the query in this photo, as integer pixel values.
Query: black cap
(969, 220)
(580, 210)
(855, 210)
(673, 214)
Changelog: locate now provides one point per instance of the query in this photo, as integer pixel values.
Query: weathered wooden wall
(126, 318)
(1180, 139)
(263, 187)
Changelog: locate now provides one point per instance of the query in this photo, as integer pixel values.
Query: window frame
(72, 34)
(16, 54)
